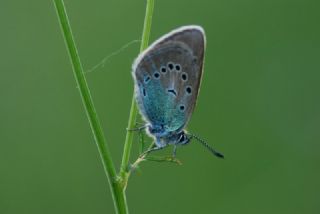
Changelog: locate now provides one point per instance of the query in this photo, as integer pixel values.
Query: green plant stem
(116, 189)
(134, 110)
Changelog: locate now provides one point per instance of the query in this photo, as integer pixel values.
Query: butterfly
(167, 77)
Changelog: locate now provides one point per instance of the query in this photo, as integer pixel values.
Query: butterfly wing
(168, 75)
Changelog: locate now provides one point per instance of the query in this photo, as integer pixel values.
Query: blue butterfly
(167, 78)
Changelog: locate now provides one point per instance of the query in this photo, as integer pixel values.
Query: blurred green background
(259, 105)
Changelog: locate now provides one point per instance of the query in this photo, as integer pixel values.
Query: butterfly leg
(156, 148)
(175, 146)
(137, 128)
(174, 154)
(140, 123)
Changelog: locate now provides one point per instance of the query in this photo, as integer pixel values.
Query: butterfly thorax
(158, 130)
(164, 137)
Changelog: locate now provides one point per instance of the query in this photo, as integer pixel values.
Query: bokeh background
(259, 105)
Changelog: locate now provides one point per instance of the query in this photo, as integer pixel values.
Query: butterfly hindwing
(168, 76)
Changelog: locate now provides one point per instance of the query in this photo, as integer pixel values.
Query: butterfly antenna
(205, 144)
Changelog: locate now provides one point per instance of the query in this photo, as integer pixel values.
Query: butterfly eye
(182, 138)
(188, 90)
(184, 76)
(178, 67)
(156, 75)
(170, 65)
(163, 69)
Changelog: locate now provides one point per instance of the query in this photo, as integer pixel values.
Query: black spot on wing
(163, 69)
(173, 92)
(170, 66)
(156, 75)
(188, 89)
(184, 76)
(146, 79)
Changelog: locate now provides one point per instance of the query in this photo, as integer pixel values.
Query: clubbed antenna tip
(217, 154)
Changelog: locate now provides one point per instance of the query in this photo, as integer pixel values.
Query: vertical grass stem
(116, 189)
